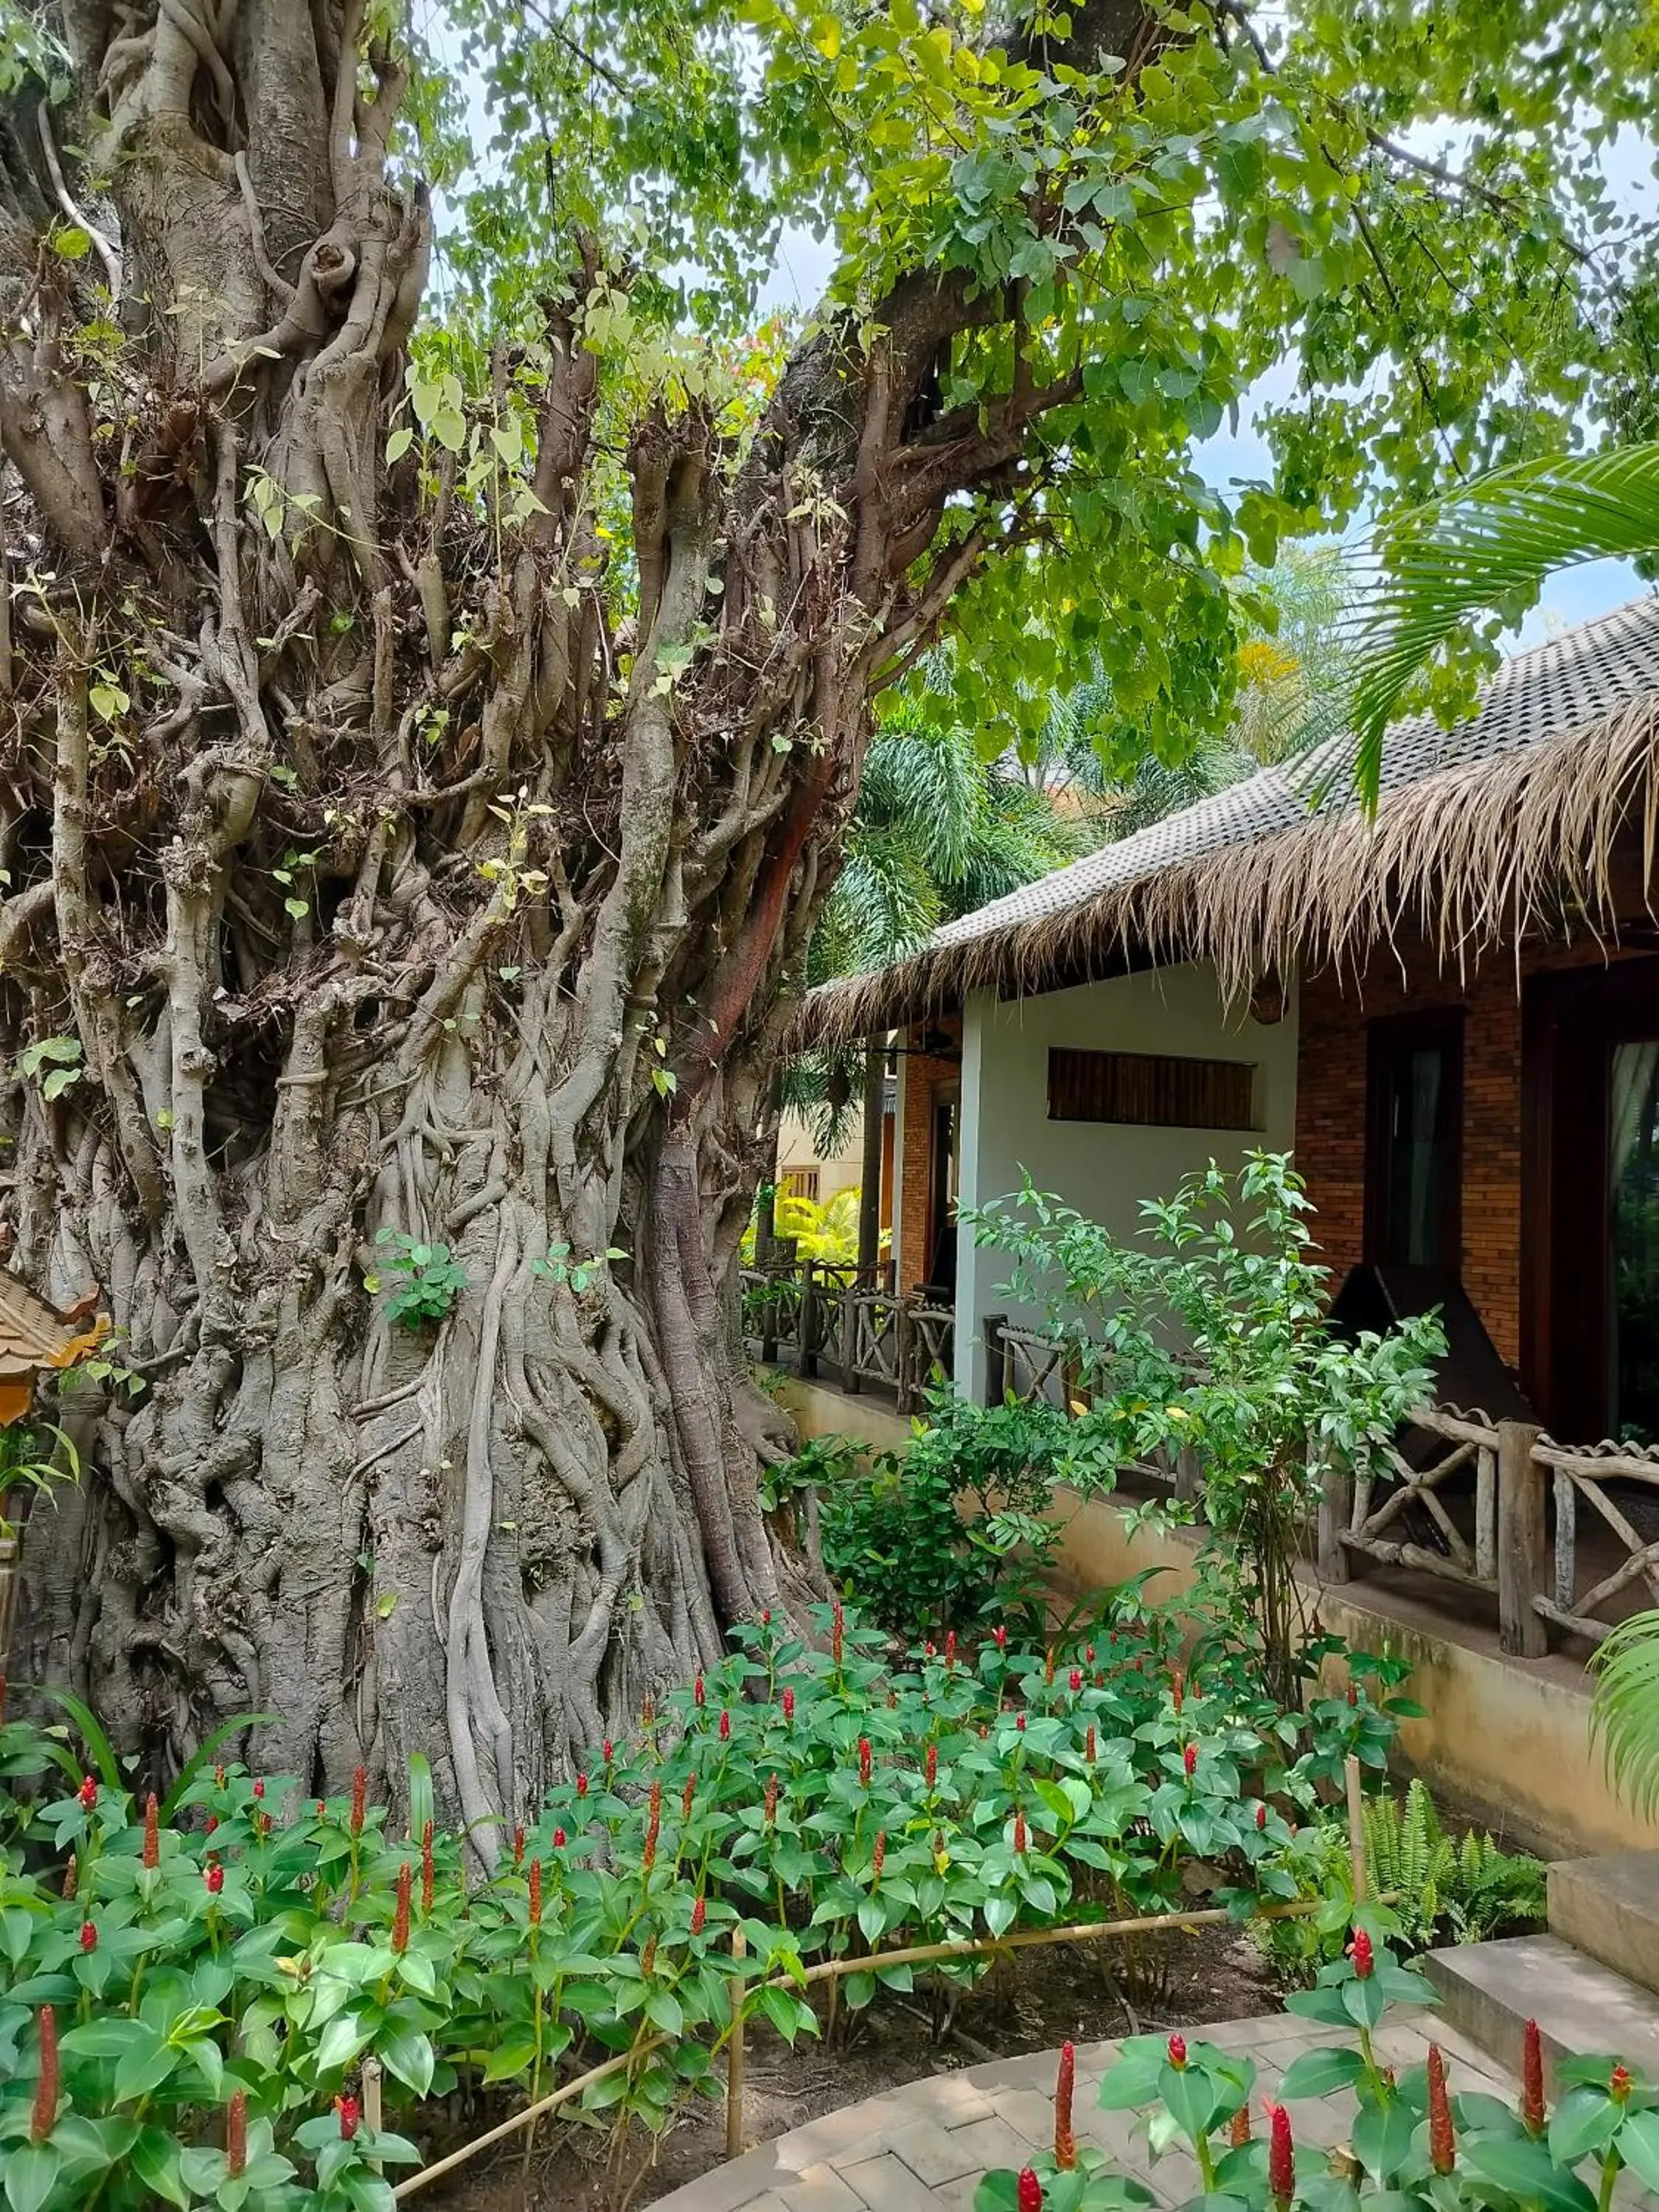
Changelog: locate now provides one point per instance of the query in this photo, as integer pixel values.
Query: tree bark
(394, 872)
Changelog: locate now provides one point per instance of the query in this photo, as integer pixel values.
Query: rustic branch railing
(1589, 1473)
(834, 1318)
(1372, 1515)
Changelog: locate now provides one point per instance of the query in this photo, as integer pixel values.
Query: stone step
(1608, 1908)
(1490, 1990)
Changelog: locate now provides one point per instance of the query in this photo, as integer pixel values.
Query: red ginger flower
(219, 1778)
(1532, 2079)
(928, 1651)
(1239, 2133)
(879, 1856)
(1019, 1833)
(518, 1847)
(1065, 2083)
(258, 1789)
(1360, 1952)
(71, 1879)
(1027, 2195)
(1443, 2144)
(699, 1914)
(1261, 1816)
(1281, 2157)
(152, 1831)
(1189, 1758)
(697, 1694)
(214, 1875)
(88, 1793)
(350, 2112)
(771, 1800)
(647, 1712)
(1074, 1680)
(236, 2134)
(686, 1795)
(212, 1823)
(726, 1727)
(581, 1785)
(1019, 1723)
(999, 1638)
(788, 1705)
(1089, 1654)
(609, 1751)
(428, 1871)
(931, 1766)
(558, 1839)
(47, 2082)
(1089, 1744)
(400, 1917)
(1177, 1689)
(949, 1648)
(863, 1761)
(648, 1957)
(359, 1799)
(766, 1617)
(1620, 2085)
(1049, 1667)
(89, 1935)
(1178, 2053)
(837, 1632)
(322, 1808)
(535, 1893)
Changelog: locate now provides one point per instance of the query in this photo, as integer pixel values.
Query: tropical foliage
(189, 1991)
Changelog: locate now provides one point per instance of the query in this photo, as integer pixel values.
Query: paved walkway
(924, 2147)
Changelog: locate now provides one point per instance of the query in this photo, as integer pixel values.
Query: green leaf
(400, 443)
(155, 2159)
(1317, 2073)
(1524, 2170)
(72, 242)
(1382, 2137)
(1586, 2120)
(1638, 2146)
(144, 2065)
(31, 2176)
(409, 2055)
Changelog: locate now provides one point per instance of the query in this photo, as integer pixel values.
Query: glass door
(1633, 1241)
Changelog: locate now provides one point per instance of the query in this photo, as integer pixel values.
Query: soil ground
(1035, 2003)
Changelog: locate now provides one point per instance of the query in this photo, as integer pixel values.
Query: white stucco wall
(1102, 1168)
(798, 1147)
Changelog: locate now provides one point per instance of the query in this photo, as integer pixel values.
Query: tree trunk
(390, 867)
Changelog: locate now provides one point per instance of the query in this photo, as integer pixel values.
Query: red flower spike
(581, 1785)
(879, 1856)
(1089, 1744)
(1239, 2133)
(1360, 1952)
(950, 1648)
(1027, 2191)
(359, 1799)
(1281, 2157)
(218, 1777)
(928, 1651)
(1620, 2085)
(864, 1761)
(1019, 1723)
(1353, 1693)
(1048, 1668)
(699, 1915)
(88, 1793)
(697, 1694)
(837, 1632)
(1532, 2079)
(428, 1871)
(152, 1831)
(558, 1839)
(726, 1727)
(649, 1958)
(656, 1807)
(931, 1768)
(258, 1789)
(1442, 2143)
(1019, 1833)
(1088, 1655)
(766, 1617)
(212, 1823)
(71, 1880)
(647, 1712)
(789, 1707)
(1064, 2084)
(1189, 1758)
(89, 1935)
(609, 1751)
(999, 1638)
(1261, 1816)
(236, 2136)
(47, 2082)
(400, 1917)
(771, 1799)
(1074, 1680)
(535, 1893)
(1177, 1690)
(350, 2112)
(322, 1809)
(214, 1875)
(518, 1847)
(1178, 2053)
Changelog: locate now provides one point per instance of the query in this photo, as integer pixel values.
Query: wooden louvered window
(1150, 1090)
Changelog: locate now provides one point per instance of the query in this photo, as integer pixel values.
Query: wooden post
(851, 1382)
(1522, 1564)
(734, 2054)
(1357, 1831)
(809, 1319)
(996, 1359)
(1335, 1514)
(903, 1355)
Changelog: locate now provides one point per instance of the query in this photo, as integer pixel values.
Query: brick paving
(925, 2147)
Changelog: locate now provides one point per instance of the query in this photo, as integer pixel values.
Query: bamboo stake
(833, 1970)
(372, 2092)
(1356, 1830)
(734, 2053)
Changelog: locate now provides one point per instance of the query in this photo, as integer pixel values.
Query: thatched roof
(1481, 832)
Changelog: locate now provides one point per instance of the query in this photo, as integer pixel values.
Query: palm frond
(1490, 545)
(1624, 1716)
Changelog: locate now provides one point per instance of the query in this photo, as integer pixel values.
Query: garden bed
(1040, 1999)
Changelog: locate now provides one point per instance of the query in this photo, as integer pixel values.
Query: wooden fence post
(1522, 1631)
(734, 2054)
(996, 1359)
(903, 1356)
(768, 1316)
(809, 1318)
(850, 1310)
(1335, 1512)
(1356, 1830)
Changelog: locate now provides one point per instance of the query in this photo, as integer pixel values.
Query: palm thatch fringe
(1473, 856)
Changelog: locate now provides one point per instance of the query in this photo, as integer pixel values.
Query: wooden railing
(1610, 1479)
(823, 1318)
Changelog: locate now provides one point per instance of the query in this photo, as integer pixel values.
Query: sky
(1570, 596)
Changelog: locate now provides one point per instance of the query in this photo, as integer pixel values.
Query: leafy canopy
(1403, 217)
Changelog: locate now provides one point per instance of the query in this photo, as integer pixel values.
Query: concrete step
(1490, 1990)
(1608, 1908)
